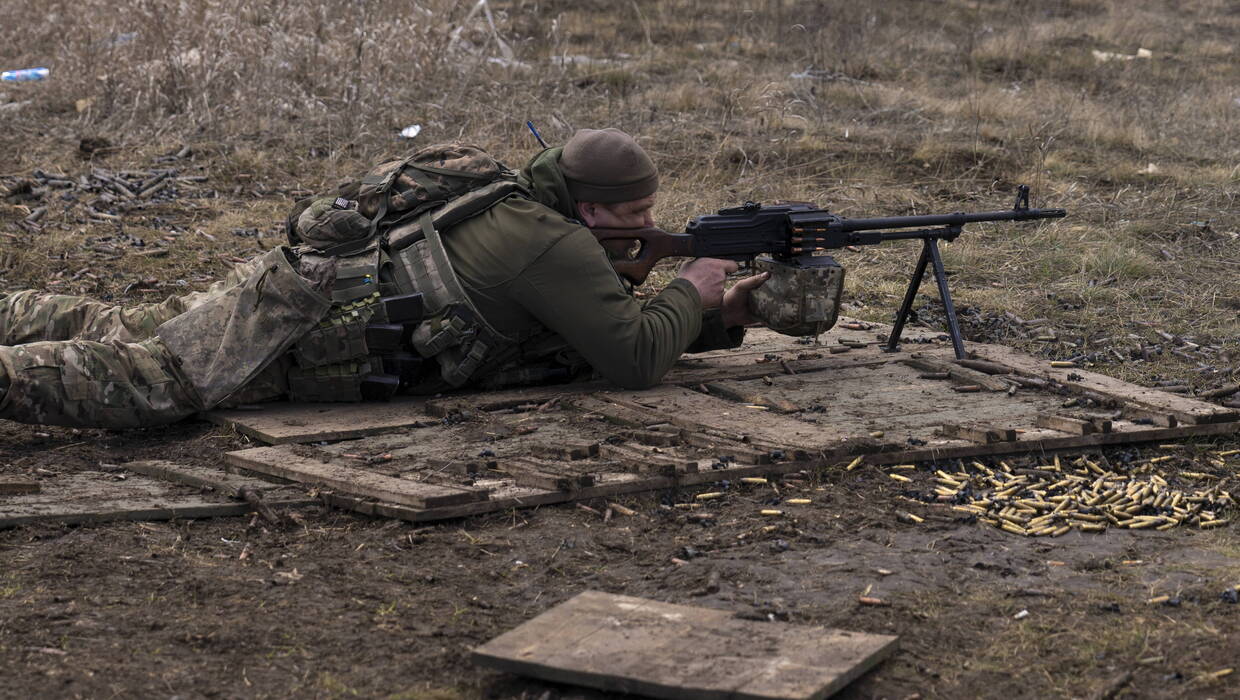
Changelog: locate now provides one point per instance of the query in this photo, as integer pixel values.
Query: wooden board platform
(172, 492)
(771, 407)
(633, 645)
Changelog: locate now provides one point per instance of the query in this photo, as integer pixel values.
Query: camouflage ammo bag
(383, 231)
(802, 296)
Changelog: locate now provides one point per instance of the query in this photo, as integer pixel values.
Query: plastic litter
(411, 131)
(24, 75)
(1104, 56)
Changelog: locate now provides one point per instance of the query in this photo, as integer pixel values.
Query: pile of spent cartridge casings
(1053, 499)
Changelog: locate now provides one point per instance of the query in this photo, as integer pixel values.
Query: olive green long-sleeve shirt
(529, 268)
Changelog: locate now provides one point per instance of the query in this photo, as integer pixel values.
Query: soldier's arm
(715, 335)
(572, 290)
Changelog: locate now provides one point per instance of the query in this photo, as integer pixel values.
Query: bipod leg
(893, 341)
(953, 326)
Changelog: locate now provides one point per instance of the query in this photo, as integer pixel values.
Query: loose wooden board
(1185, 409)
(633, 645)
(280, 423)
(96, 497)
(273, 461)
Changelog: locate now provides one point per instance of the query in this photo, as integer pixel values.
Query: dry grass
(869, 108)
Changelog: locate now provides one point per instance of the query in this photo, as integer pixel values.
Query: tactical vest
(398, 309)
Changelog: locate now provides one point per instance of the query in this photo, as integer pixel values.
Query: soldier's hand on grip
(736, 301)
(708, 275)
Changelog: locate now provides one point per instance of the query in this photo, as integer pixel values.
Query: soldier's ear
(588, 212)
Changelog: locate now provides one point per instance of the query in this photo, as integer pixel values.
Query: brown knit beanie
(607, 166)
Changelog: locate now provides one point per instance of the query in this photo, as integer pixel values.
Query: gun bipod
(930, 256)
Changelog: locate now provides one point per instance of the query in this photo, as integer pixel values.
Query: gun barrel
(956, 219)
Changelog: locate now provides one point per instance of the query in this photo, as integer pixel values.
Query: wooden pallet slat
(958, 373)
(285, 463)
(13, 487)
(643, 462)
(85, 497)
(984, 434)
(283, 423)
(1185, 409)
(1075, 426)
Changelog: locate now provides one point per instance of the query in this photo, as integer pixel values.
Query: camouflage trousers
(76, 361)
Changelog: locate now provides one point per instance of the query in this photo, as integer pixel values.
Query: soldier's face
(638, 213)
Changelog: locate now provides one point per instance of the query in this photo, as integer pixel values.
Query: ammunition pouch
(340, 337)
(802, 296)
(338, 382)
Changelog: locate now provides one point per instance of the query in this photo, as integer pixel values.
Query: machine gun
(793, 235)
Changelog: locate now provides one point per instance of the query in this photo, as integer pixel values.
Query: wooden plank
(633, 645)
(984, 366)
(727, 448)
(526, 474)
(1154, 417)
(574, 471)
(283, 462)
(656, 438)
(200, 477)
(610, 484)
(1067, 424)
(181, 508)
(645, 462)
(615, 413)
(92, 497)
(568, 449)
(11, 487)
(614, 485)
(984, 434)
(1183, 408)
(543, 474)
(283, 423)
(961, 375)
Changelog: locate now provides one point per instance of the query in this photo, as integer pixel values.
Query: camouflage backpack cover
(396, 191)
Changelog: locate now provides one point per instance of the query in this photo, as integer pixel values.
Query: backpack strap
(449, 280)
(383, 185)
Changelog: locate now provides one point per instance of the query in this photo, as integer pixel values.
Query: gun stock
(634, 251)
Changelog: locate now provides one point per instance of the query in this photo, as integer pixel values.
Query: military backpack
(397, 303)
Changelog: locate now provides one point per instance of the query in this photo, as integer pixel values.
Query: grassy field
(1126, 113)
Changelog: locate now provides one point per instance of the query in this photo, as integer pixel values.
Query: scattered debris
(1107, 56)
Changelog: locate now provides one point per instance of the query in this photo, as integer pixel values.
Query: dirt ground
(344, 606)
(1123, 112)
